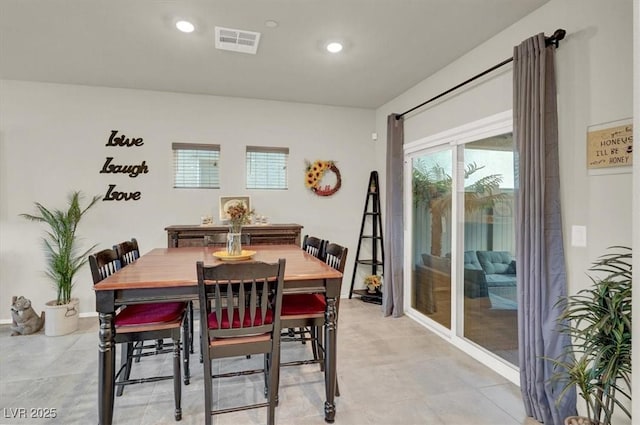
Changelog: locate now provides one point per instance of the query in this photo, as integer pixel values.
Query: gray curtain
(540, 253)
(392, 293)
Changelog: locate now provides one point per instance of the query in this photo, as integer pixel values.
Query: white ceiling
(390, 45)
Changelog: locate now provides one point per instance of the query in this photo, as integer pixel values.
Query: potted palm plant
(598, 319)
(63, 260)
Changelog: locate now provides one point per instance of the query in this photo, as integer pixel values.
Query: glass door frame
(450, 139)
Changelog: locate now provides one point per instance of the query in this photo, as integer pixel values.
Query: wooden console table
(179, 236)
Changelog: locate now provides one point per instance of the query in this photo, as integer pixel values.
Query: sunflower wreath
(314, 174)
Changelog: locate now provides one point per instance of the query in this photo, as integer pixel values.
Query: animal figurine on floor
(25, 319)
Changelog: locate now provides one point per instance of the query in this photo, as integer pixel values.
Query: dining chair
(316, 247)
(241, 316)
(336, 257)
(220, 240)
(128, 252)
(144, 322)
(308, 310)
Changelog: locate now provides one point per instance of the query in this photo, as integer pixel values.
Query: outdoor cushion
(494, 261)
(441, 264)
(500, 279)
(471, 261)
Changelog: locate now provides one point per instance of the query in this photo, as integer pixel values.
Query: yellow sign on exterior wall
(610, 145)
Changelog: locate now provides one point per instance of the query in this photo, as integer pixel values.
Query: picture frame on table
(227, 201)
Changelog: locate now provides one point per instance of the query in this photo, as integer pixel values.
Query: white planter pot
(61, 319)
(577, 420)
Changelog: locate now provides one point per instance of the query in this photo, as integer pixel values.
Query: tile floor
(390, 371)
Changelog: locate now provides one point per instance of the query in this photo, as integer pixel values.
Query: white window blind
(267, 167)
(196, 165)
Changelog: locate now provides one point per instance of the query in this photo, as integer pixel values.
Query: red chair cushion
(296, 304)
(213, 319)
(149, 314)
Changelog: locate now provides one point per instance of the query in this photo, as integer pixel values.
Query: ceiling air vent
(237, 40)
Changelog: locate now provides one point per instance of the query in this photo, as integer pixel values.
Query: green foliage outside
(432, 186)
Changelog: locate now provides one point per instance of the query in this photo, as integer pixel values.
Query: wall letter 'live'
(123, 141)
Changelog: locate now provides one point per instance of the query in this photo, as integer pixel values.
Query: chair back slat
(246, 298)
(109, 269)
(264, 301)
(314, 246)
(129, 258)
(127, 251)
(218, 306)
(230, 303)
(103, 264)
(336, 256)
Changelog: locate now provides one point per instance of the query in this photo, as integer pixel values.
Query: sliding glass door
(431, 216)
(488, 248)
(462, 238)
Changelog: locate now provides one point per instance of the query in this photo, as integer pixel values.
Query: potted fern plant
(63, 260)
(598, 319)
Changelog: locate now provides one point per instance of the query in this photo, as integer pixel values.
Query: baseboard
(86, 314)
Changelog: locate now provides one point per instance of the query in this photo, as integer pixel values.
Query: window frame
(281, 182)
(205, 152)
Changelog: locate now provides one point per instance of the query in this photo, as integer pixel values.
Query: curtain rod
(554, 39)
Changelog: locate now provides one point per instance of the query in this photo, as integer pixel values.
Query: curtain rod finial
(556, 37)
(559, 34)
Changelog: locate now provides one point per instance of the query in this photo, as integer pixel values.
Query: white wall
(52, 141)
(594, 81)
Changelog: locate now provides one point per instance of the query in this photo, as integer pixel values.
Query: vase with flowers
(373, 283)
(238, 215)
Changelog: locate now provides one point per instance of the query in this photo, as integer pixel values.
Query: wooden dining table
(169, 274)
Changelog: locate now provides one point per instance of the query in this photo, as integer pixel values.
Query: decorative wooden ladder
(372, 219)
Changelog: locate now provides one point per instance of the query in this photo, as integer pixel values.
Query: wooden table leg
(330, 360)
(106, 366)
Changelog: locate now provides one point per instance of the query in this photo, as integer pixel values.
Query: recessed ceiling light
(334, 47)
(185, 26)
(270, 24)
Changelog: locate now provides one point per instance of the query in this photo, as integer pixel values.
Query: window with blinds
(267, 167)
(196, 166)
